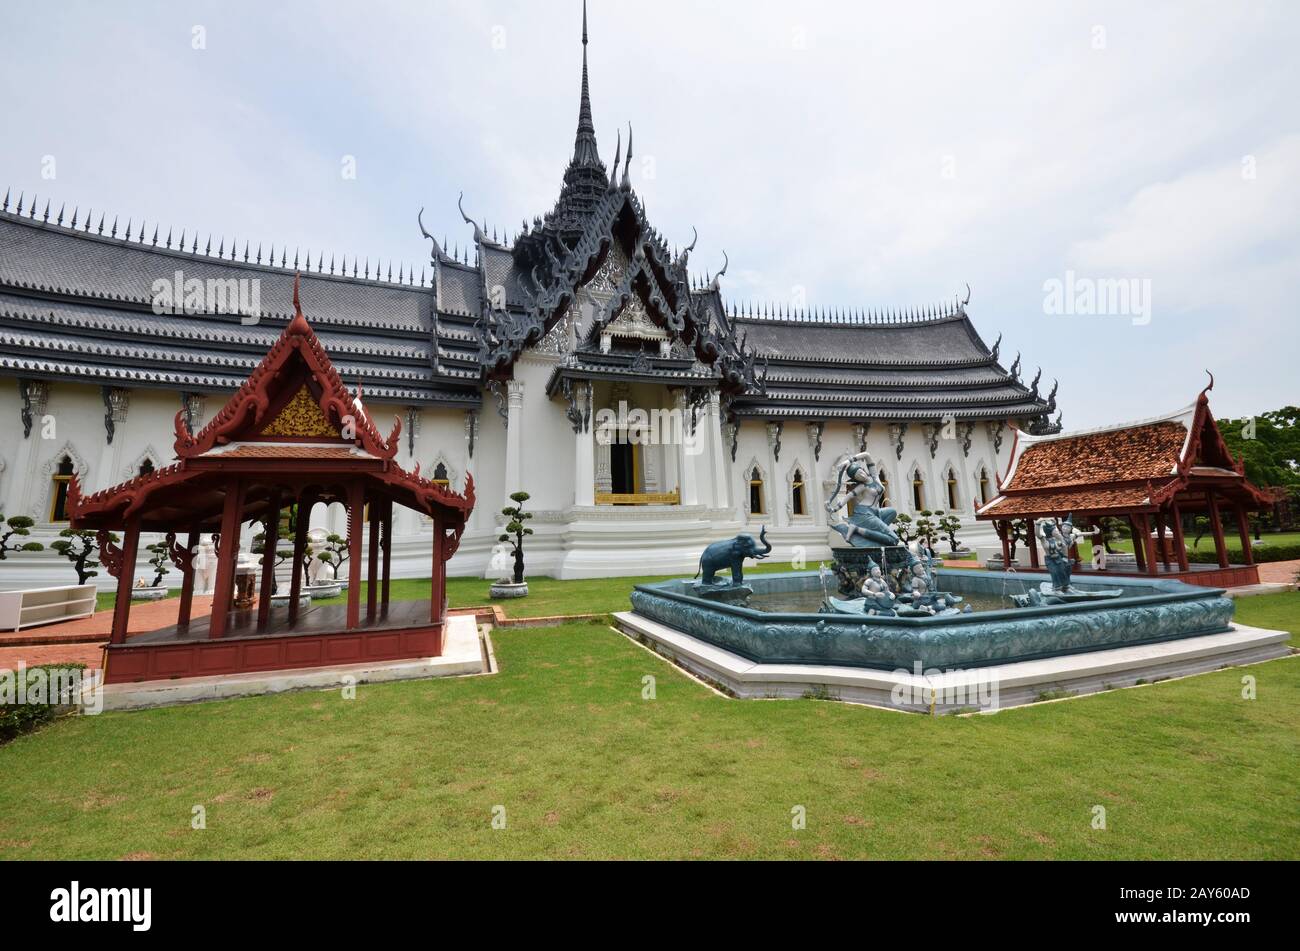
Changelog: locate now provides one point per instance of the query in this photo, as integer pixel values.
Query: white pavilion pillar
(584, 457)
(686, 479)
(717, 451)
(514, 437)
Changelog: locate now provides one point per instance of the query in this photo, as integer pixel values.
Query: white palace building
(511, 360)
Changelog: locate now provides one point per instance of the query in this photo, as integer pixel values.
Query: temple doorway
(622, 468)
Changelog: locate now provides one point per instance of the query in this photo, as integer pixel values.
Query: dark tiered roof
(75, 303)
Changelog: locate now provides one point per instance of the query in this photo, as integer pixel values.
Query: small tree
(903, 528)
(80, 548)
(21, 526)
(949, 526)
(516, 527)
(1112, 530)
(335, 553)
(159, 560)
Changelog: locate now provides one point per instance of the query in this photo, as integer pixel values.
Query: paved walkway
(1279, 572)
(82, 641)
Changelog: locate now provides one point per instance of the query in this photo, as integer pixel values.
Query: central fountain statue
(868, 524)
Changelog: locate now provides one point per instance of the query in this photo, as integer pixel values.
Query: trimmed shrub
(49, 684)
(1264, 553)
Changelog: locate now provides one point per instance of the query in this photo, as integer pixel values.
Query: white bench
(32, 606)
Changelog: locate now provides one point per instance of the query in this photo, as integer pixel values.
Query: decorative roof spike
(354, 266)
(75, 209)
(367, 268)
(627, 162)
(221, 247)
(478, 232)
(331, 262)
(245, 250)
(115, 226)
(194, 244)
(284, 256)
(100, 229)
(61, 207)
(5, 206)
(399, 273)
(390, 270)
(128, 229)
(181, 246)
(320, 262)
(208, 250)
(421, 276)
(155, 234)
(295, 259)
(47, 210)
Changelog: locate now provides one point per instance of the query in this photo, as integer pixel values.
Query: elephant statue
(732, 553)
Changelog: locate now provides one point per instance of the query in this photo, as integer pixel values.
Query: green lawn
(1230, 538)
(584, 767)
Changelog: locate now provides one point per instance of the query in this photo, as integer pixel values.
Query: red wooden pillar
(1006, 545)
(1033, 546)
(224, 588)
(1243, 527)
(437, 582)
(187, 580)
(1180, 543)
(388, 552)
(372, 558)
(1216, 525)
(1139, 549)
(1159, 519)
(301, 525)
(270, 546)
(125, 580)
(356, 505)
(1149, 546)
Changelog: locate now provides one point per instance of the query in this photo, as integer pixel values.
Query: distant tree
(20, 526)
(949, 526)
(80, 548)
(516, 527)
(1269, 443)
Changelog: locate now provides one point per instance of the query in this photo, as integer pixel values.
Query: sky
(1118, 183)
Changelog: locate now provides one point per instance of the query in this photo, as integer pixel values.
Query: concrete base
(323, 590)
(508, 589)
(149, 593)
(986, 689)
(463, 653)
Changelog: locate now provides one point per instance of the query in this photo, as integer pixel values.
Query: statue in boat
(857, 481)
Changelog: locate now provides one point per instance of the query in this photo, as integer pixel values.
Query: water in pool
(810, 602)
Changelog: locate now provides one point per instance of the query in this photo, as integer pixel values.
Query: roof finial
(584, 146)
(1208, 387)
(299, 323)
(478, 232)
(627, 162)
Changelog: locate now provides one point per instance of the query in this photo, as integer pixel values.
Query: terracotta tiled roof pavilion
(1151, 472)
(292, 435)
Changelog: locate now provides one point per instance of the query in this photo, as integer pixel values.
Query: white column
(775, 481)
(718, 451)
(514, 436)
(813, 501)
(685, 461)
(584, 457)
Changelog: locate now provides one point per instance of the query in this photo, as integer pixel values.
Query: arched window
(918, 491)
(146, 467)
(756, 492)
(440, 475)
(984, 485)
(59, 491)
(953, 501)
(796, 494)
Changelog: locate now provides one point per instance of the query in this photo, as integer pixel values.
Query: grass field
(584, 767)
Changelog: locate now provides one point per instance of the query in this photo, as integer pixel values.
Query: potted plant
(513, 535)
(159, 559)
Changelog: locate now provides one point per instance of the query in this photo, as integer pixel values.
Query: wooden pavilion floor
(313, 620)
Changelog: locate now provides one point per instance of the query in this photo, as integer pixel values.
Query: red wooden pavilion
(292, 435)
(1151, 473)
